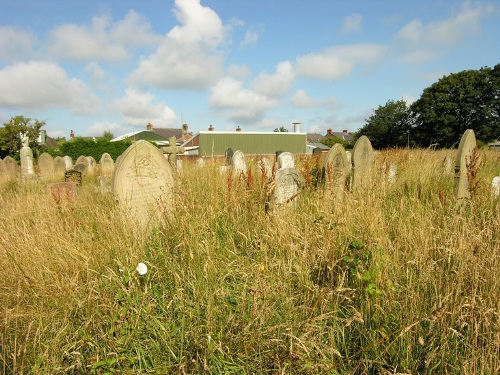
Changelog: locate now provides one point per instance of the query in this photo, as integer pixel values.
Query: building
(159, 136)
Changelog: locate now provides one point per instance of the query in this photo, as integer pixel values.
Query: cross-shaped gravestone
(172, 150)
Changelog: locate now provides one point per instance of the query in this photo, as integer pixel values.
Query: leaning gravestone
(286, 160)
(59, 167)
(362, 161)
(239, 164)
(465, 150)
(143, 183)
(10, 168)
(447, 165)
(335, 169)
(107, 164)
(286, 188)
(46, 166)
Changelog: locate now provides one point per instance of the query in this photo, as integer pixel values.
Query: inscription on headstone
(335, 168)
(285, 188)
(286, 160)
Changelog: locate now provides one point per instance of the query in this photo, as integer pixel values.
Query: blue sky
(93, 66)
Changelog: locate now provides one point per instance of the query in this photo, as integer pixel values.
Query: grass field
(395, 279)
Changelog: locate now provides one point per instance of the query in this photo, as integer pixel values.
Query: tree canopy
(10, 134)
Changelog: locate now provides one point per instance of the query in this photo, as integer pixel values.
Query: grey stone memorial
(59, 167)
(107, 164)
(362, 163)
(465, 150)
(143, 184)
(335, 169)
(239, 164)
(172, 150)
(82, 165)
(286, 160)
(46, 166)
(11, 169)
(229, 155)
(26, 156)
(495, 187)
(286, 188)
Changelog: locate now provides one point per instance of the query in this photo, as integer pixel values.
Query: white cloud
(102, 40)
(95, 72)
(242, 105)
(188, 56)
(138, 108)
(275, 85)
(302, 100)
(352, 23)
(238, 71)
(41, 84)
(251, 37)
(15, 45)
(339, 62)
(409, 99)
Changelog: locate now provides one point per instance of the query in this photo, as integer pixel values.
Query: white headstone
(286, 160)
(68, 161)
(46, 166)
(11, 169)
(287, 185)
(59, 167)
(107, 164)
(239, 164)
(27, 168)
(495, 187)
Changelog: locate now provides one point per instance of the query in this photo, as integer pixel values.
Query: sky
(94, 66)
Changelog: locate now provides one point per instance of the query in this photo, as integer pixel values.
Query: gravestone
(362, 162)
(266, 169)
(335, 169)
(200, 162)
(62, 192)
(59, 167)
(73, 176)
(285, 188)
(69, 162)
(46, 166)
(172, 150)
(2, 173)
(447, 165)
(286, 160)
(82, 165)
(11, 169)
(229, 155)
(143, 183)
(107, 164)
(26, 156)
(465, 150)
(389, 172)
(92, 165)
(317, 151)
(239, 164)
(349, 159)
(495, 187)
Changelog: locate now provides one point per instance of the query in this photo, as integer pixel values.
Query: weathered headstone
(69, 162)
(335, 169)
(107, 164)
(362, 162)
(286, 160)
(2, 172)
(143, 183)
(59, 167)
(266, 169)
(239, 164)
(82, 165)
(11, 169)
(285, 188)
(73, 176)
(92, 165)
(495, 187)
(464, 155)
(26, 156)
(317, 151)
(200, 162)
(447, 165)
(62, 192)
(46, 166)
(389, 172)
(229, 155)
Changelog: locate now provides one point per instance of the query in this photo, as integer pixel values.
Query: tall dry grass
(396, 279)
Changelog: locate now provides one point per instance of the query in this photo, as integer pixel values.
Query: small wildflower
(262, 267)
(141, 269)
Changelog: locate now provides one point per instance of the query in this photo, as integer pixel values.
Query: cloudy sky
(93, 66)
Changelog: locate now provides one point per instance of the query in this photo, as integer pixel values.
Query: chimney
(149, 126)
(72, 135)
(184, 129)
(210, 128)
(296, 127)
(238, 129)
(345, 131)
(329, 132)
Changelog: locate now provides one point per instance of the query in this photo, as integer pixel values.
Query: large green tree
(10, 134)
(457, 102)
(389, 125)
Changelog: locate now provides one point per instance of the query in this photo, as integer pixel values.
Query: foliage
(10, 140)
(108, 135)
(330, 141)
(466, 100)
(389, 125)
(89, 147)
(281, 129)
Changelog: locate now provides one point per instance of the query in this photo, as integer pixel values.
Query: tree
(281, 129)
(389, 125)
(10, 134)
(457, 102)
(108, 135)
(330, 141)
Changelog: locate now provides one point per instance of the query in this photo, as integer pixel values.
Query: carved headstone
(286, 160)
(465, 150)
(27, 168)
(229, 155)
(266, 169)
(335, 169)
(317, 151)
(143, 183)
(447, 165)
(239, 164)
(92, 164)
(362, 162)
(73, 176)
(59, 167)
(107, 164)
(69, 162)
(62, 191)
(82, 165)
(46, 166)
(285, 188)
(11, 169)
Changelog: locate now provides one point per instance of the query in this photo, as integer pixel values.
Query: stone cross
(172, 150)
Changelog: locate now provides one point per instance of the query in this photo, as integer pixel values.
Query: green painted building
(214, 143)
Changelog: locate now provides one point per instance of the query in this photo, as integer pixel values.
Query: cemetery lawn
(393, 279)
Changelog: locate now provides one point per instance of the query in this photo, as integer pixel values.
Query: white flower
(141, 269)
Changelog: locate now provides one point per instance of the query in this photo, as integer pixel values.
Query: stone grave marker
(26, 156)
(69, 162)
(2, 172)
(286, 160)
(107, 164)
(46, 166)
(285, 188)
(266, 168)
(82, 165)
(335, 169)
(362, 162)
(62, 192)
(59, 167)
(11, 169)
(229, 155)
(200, 162)
(447, 165)
(172, 150)
(465, 150)
(92, 165)
(143, 183)
(73, 176)
(239, 164)
(495, 187)
(317, 151)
